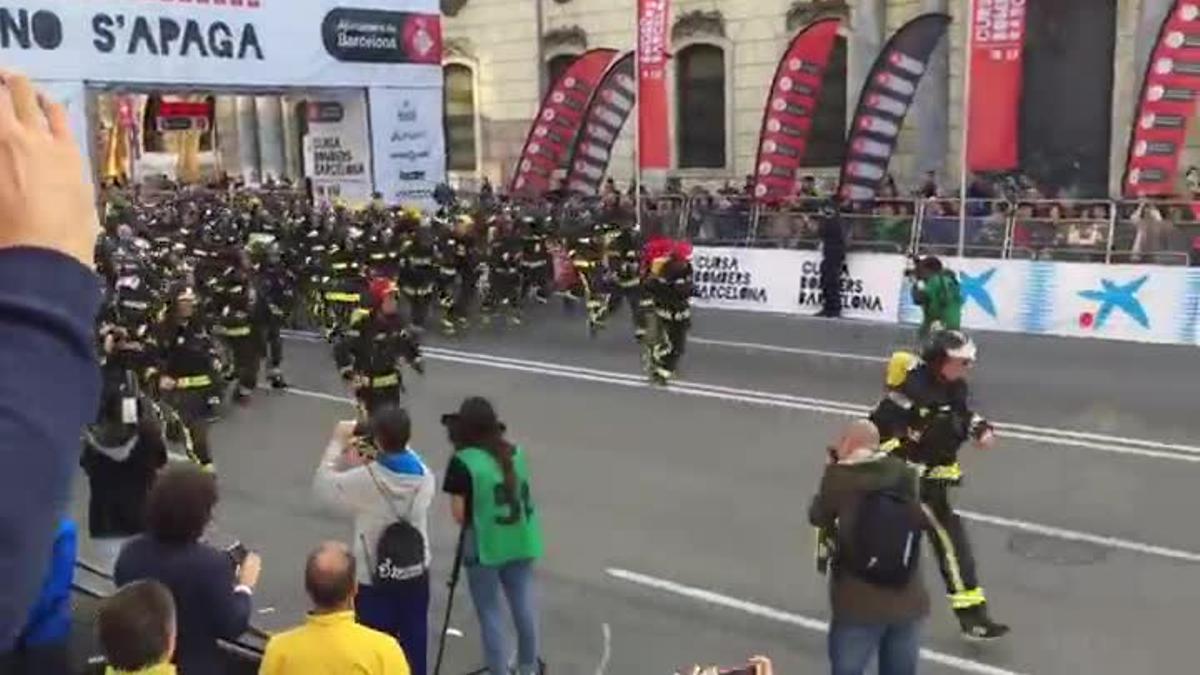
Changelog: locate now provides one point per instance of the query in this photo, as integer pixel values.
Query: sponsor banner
(654, 153)
(553, 130)
(1168, 101)
(337, 149)
(408, 144)
(997, 41)
(772, 280)
(887, 94)
(225, 42)
(1142, 303)
(791, 105)
(992, 292)
(605, 117)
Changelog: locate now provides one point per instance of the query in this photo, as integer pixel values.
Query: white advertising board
(775, 280)
(408, 145)
(301, 43)
(337, 149)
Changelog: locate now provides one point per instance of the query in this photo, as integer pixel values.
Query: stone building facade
(499, 56)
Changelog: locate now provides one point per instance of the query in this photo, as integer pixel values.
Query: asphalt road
(675, 518)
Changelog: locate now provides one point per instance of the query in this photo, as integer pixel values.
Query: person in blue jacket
(42, 646)
(49, 298)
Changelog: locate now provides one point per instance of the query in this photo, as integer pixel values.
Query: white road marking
(606, 655)
(1020, 525)
(1074, 535)
(1090, 441)
(782, 616)
(757, 346)
(454, 632)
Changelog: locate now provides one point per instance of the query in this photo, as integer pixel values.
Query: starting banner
(773, 280)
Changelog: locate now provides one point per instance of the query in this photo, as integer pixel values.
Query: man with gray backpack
(388, 496)
(869, 522)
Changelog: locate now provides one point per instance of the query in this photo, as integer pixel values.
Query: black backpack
(400, 551)
(884, 545)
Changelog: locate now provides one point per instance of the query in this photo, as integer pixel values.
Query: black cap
(477, 415)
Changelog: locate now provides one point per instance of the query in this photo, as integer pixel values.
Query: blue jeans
(851, 646)
(401, 611)
(515, 579)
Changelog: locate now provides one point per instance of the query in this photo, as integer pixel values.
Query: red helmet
(379, 289)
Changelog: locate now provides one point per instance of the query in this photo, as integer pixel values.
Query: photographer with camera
(935, 289)
(489, 482)
(388, 497)
(212, 587)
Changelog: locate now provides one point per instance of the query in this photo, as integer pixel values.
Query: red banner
(993, 127)
(606, 115)
(552, 132)
(787, 118)
(653, 149)
(1168, 102)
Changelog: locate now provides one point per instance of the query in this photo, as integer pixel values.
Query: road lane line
(1100, 442)
(758, 346)
(1073, 535)
(1010, 523)
(1114, 445)
(782, 616)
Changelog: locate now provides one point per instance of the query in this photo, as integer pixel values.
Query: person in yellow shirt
(330, 641)
(136, 630)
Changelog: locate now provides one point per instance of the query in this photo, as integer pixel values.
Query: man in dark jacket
(212, 590)
(833, 257)
(868, 618)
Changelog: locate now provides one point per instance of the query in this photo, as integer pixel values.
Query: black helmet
(948, 343)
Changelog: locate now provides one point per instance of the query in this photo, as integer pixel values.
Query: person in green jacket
(489, 482)
(936, 290)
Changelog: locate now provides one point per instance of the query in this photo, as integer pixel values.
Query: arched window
(557, 65)
(152, 138)
(700, 107)
(827, 142)
(461, 150)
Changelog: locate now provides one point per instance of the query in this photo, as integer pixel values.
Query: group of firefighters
(202, 284)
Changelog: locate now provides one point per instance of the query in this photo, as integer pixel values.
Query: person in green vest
(936, 290)
(489, 483)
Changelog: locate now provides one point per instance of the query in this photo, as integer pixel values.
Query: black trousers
(418, 305)
(536, 278)
(831, 283)
(669, 345)
(272, 343)
(371, 399)
(946, 533)
(247, 357)
(503, 296)
(188, 408)
(638, 303)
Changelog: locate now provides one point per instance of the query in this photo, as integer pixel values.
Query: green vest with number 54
(505, 521)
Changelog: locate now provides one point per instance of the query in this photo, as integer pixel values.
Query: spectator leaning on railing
(330, 641)
(48, 303)
(211, 589)
(136, 629)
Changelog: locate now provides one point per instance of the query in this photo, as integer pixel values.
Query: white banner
(337, 148)
(774, 280)
(299, 43)
(408, 144)
(1123, 302)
